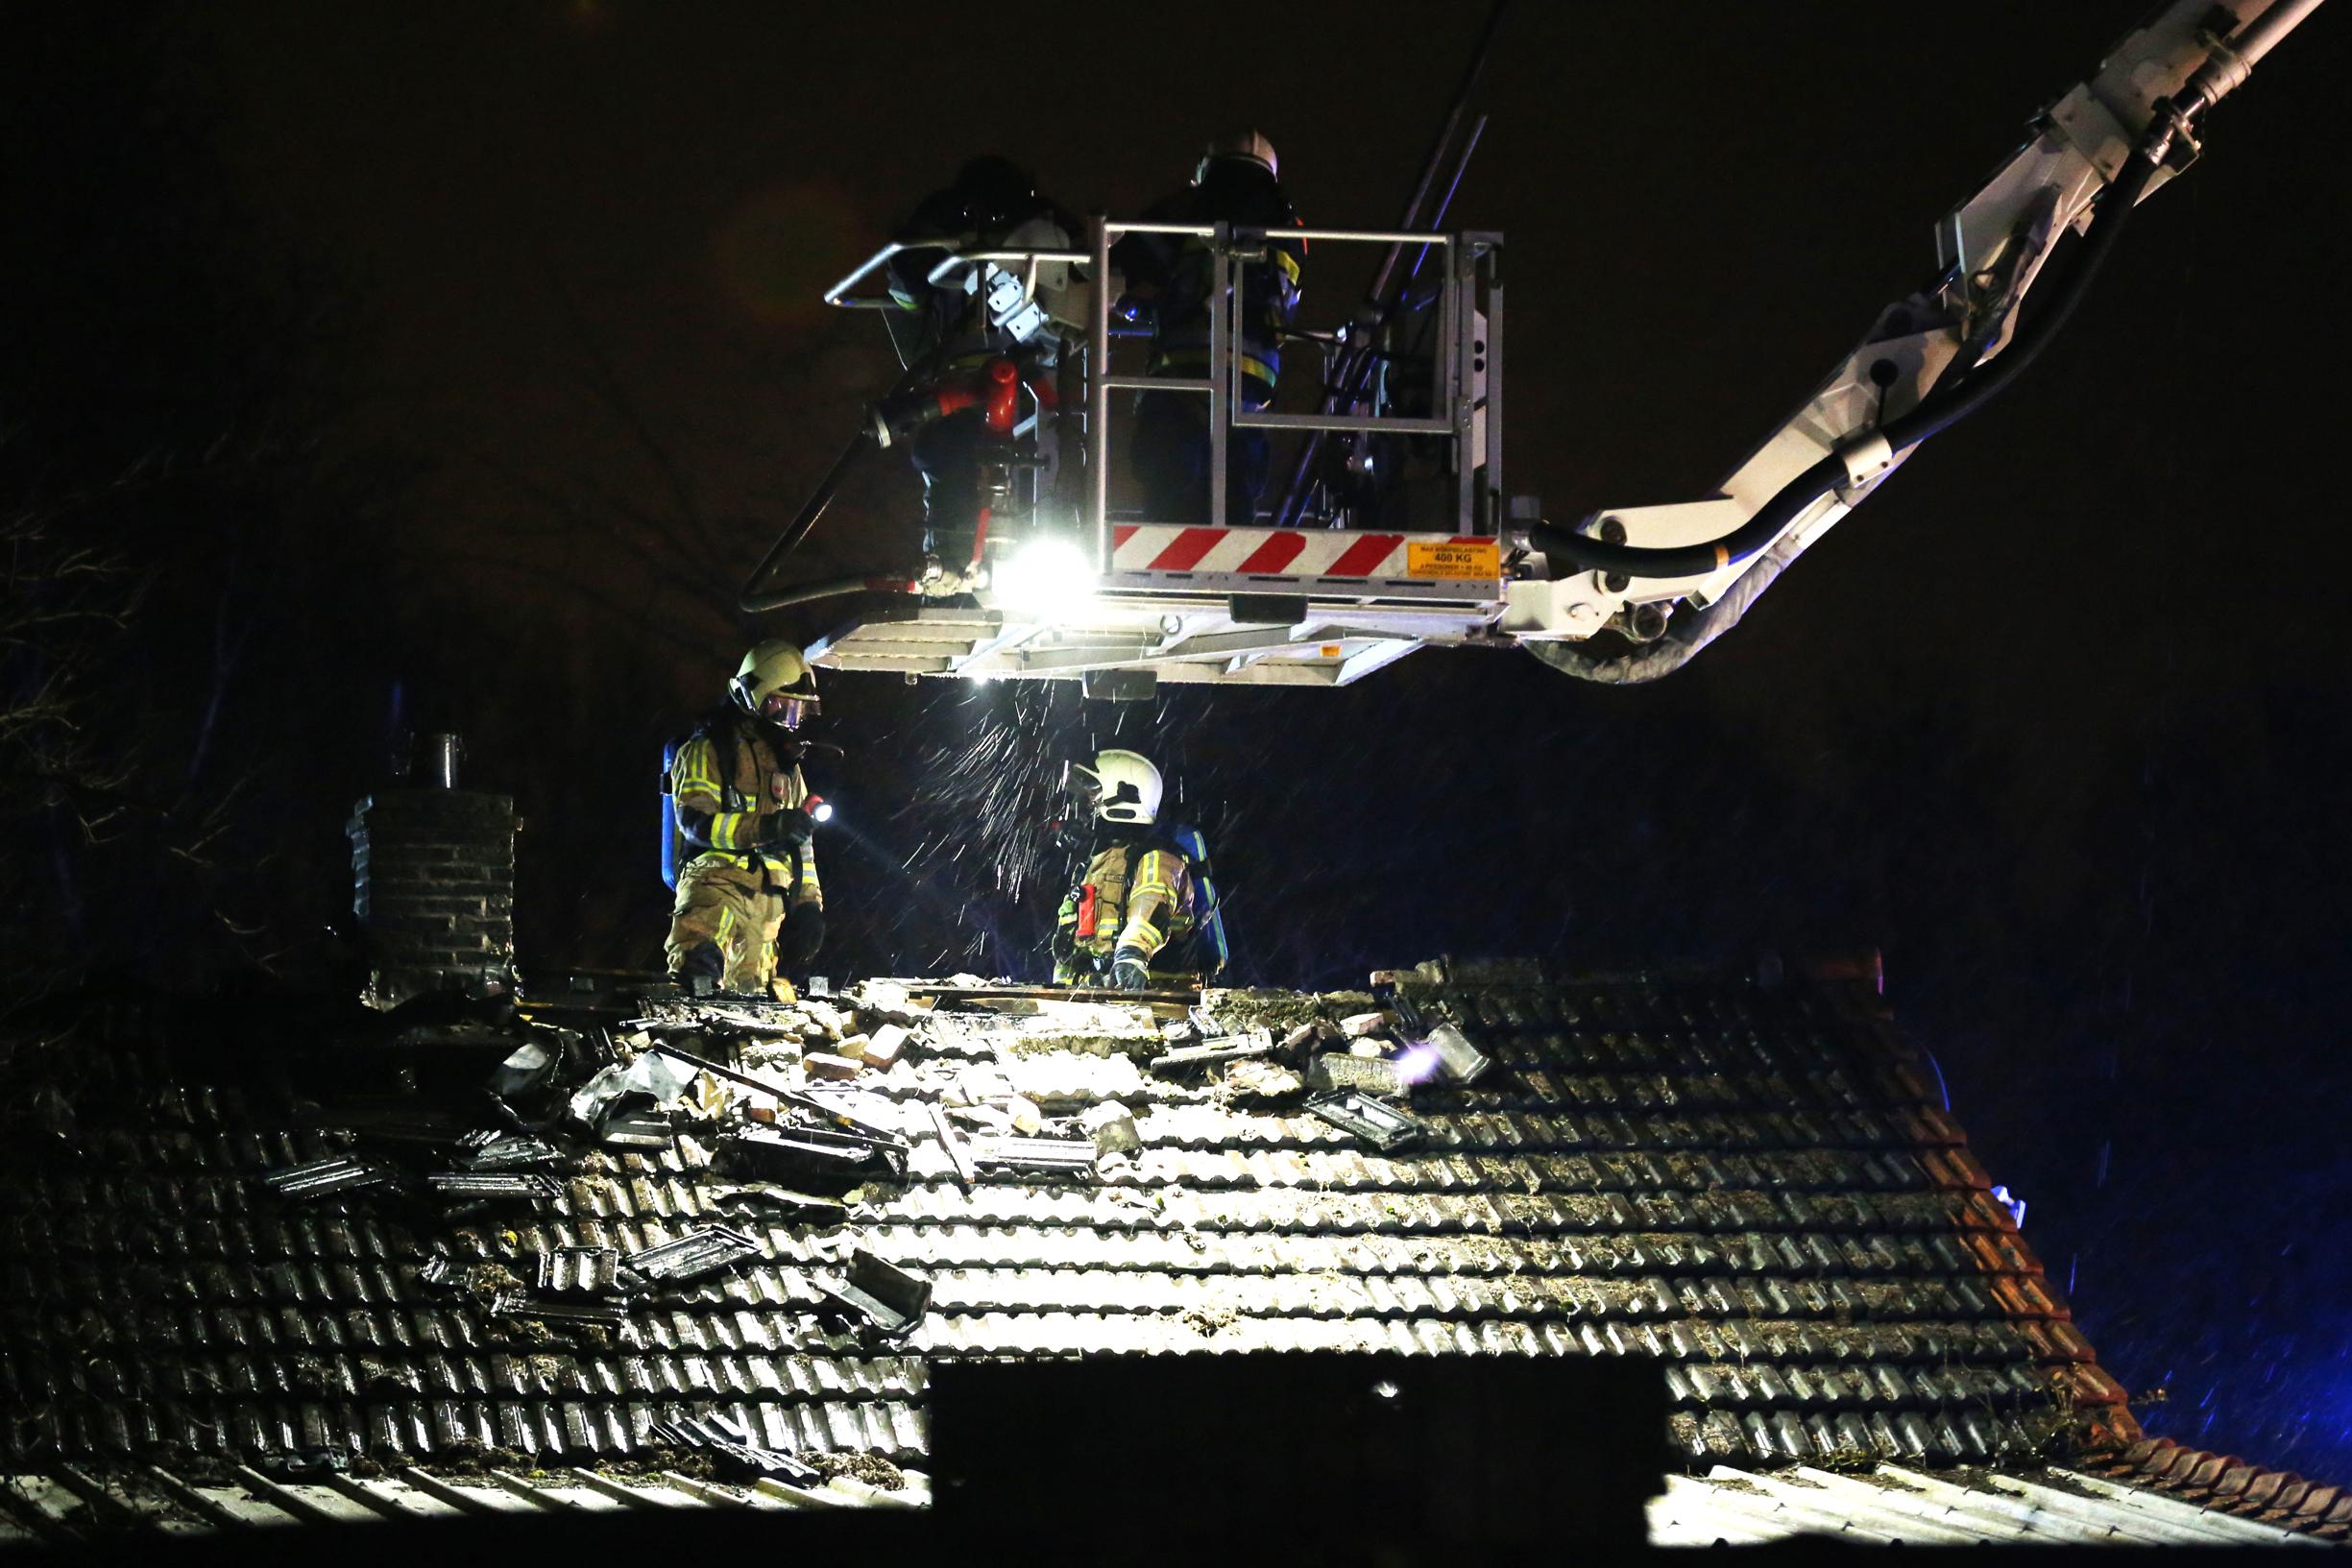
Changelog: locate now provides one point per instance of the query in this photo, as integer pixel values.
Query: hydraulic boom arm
(1672, 578)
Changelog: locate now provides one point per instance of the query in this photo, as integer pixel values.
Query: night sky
(445, 366)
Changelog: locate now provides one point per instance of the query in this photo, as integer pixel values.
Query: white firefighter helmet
(1242, 144)
(776, 683)
(1127, 787)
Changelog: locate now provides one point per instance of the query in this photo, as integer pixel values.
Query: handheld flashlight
(818, 808)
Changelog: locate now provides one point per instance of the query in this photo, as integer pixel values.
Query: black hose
(833, 587)
(1686, 635)
(1943, 409)
(813, 508)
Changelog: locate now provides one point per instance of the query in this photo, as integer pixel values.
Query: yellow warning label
(1453, 558)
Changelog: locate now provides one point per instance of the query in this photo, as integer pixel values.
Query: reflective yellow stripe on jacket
(735, 834)
(1153, 902)
(694, 780)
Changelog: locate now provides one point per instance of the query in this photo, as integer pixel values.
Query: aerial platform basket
(1066, 588)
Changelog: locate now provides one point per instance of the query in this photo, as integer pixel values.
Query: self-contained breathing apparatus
(721, 727)
(1195, 943)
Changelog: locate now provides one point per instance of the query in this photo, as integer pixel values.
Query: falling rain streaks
(986, 760)
(987, 784)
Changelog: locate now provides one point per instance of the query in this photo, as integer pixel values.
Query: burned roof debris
(1752, 1186)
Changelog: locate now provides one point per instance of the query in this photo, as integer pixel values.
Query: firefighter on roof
(1235, 183)
(1144, 910)
(738, 843)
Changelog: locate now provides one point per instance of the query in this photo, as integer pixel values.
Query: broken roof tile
(1753, 1187)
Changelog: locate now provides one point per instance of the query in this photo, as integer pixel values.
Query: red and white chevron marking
(1286, 552)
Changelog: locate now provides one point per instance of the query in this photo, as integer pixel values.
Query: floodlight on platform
(1050, 580)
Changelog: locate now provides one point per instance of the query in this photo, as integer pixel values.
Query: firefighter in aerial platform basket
(972, 340)
(1169, 276)
(737, 825)
(1144, 913)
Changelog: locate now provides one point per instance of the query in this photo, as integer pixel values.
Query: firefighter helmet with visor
(776, 683)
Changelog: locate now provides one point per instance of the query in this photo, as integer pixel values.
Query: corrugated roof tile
(1720, 1436)
(1710, 1180)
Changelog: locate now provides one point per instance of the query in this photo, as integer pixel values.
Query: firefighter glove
(804, 932)
(790, 827)
(1128, 970)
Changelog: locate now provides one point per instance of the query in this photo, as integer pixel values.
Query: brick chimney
(433, 873)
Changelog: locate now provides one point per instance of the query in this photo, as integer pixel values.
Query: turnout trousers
(733, 913)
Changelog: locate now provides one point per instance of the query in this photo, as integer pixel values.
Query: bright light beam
(1049, 580)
